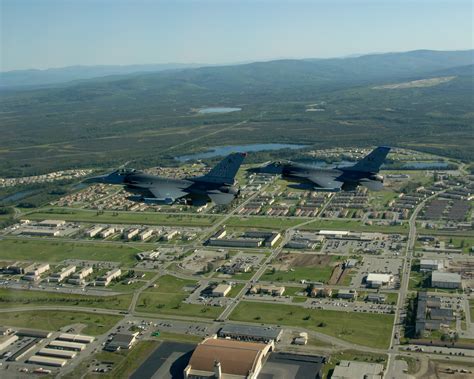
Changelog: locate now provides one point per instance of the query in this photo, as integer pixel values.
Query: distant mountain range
(291, 71)
(51, 76)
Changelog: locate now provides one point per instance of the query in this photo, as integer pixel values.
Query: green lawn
(56, 251)
(168, 296)
(318, 274)
(19, 298)
(274, 223)
(52, 321)
(235, 290)
(142, 218)
(360, 328)
(471, 309)
(167, 336)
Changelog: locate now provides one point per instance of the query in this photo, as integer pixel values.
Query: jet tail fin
(372, 161)
(225, 171)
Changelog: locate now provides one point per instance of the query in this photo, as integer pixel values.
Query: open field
(17, 298)
(264, 222)
(347, 326)
(168, 296)
(56, 251)
(235, 290)
(124, 362)
(47, 320)
(168, 336)
(142, 218)
(296, 267)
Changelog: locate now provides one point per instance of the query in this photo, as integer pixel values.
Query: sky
(56, 33)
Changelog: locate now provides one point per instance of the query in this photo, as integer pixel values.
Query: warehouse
(6, 341)
(75, 338)
(33, 333)
(220, 358)
(52, 223)
(122, 341)
(65, 354)
(378, 280)
(47, 361)
(250, 333)
(221, 290)
(92, 232)
(445, 280)
(430, 265)
(347, 294)
(40, 232)
(357, 370)
(75, 346)
(236, 242)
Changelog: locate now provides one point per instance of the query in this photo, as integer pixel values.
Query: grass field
(56, 251)
(142, 218)
(235, 290)
(352, 327)
(274, 223)
(167, 336)
(471, 309)
(19, 298)
(125, 362)
(168, 296)
(318, 274)
(47, 320)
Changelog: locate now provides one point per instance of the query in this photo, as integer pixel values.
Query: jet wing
(326, 181)
(220, 198)
(167, 191)
(373, 185)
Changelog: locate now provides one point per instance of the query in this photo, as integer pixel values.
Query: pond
(218, 110)
(225, 150)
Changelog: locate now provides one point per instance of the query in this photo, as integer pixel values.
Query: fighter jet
(218, 185)
(365, 172)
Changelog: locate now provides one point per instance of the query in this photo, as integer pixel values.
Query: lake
(226, 150)
(218, 110)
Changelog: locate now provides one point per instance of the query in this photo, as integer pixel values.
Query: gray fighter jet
(365, 173)
(218, 185)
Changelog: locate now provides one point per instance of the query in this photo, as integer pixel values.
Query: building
(221, 358)
(65, 354)
(78, 277)
(94, 231)
(301, 339)
(221, 290)
(320, 292)
(148, 255)
(445, 280)
(131, 233)
(7, 340)
(378, 280)
(107, 232)
(357, 370)
(33, 333)
(269, 238)
(63, 274)
(75, 338)
(121, 341)
(41, 232)
(347, 294)
(267, 290)
(334, 233)
(236, 242)
(47, 361)
(430, 265)
(250, 333)
(351, 263)
(375, 298)
(66, 345)
(35, 273)
(430, 315)
(143, 236)
(108, 277)
(52, 223)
